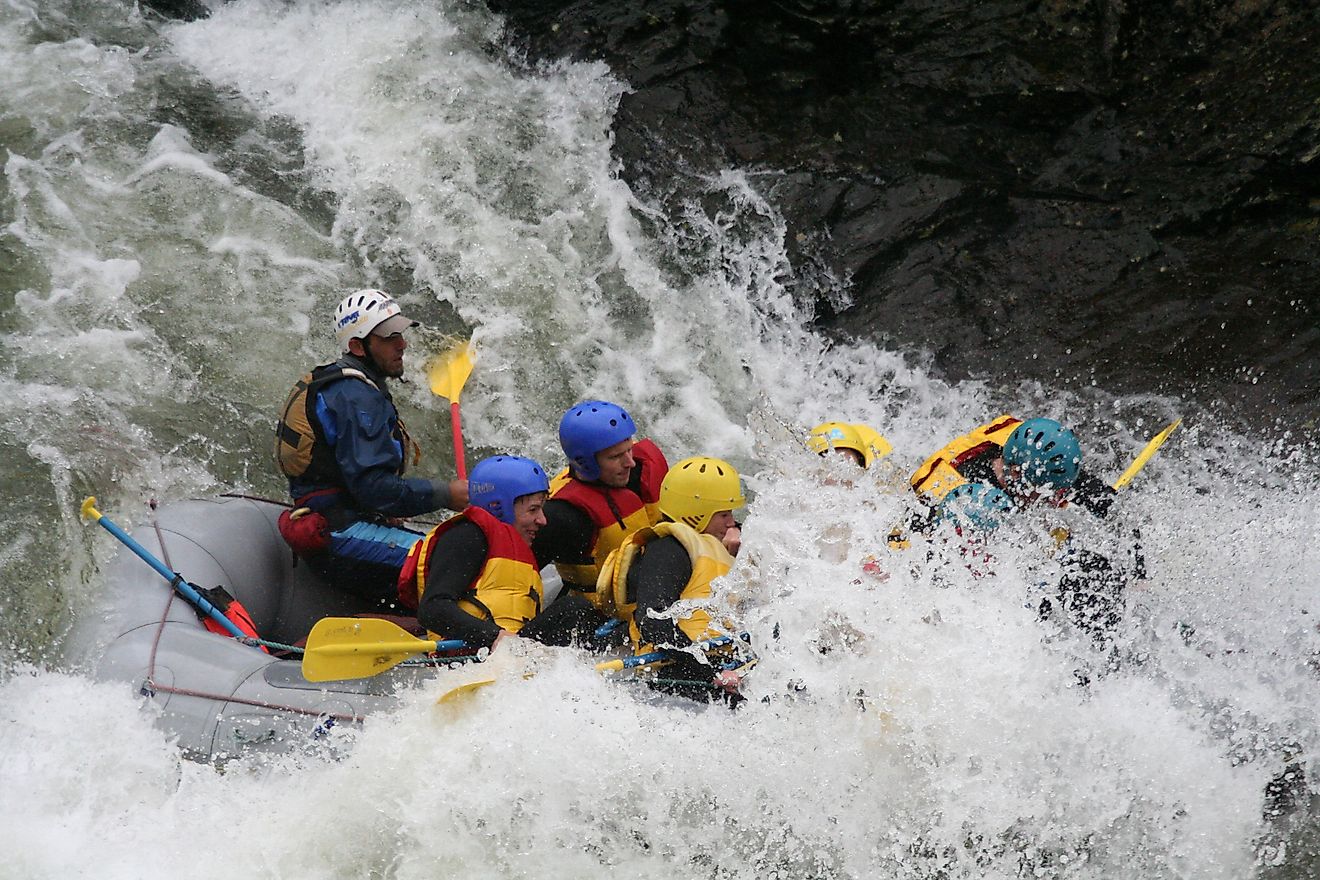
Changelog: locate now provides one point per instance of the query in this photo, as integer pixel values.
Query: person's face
(1025, 492)
(616, 463)
(387, 353)
(852, 455)
(719, 524)
(529, 515)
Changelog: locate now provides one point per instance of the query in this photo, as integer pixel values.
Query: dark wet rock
(1072, 191)
(181, 10)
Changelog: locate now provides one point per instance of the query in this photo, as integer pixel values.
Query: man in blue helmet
(345, 451)
(474, 577)
(610, 489)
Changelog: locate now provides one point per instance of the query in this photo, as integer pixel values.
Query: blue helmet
(589, 427)
(975, 505)
(1046, 451)
(496, 482)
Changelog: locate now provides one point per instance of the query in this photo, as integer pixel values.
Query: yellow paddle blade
(501, 665)
(1151, 448)
(453, 695)
(450, 369)
(349, 647)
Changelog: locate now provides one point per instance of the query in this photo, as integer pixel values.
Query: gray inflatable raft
(218, 696)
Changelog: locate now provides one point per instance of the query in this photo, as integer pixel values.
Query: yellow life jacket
(508, 588)
(709, 560)
(939, 475)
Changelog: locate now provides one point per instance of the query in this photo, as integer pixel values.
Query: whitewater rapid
(183, 203)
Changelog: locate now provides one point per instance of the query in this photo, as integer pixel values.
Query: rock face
(1072, 191)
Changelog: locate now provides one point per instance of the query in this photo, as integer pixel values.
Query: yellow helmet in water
(862, 439)
(696, 489)
(875, 441)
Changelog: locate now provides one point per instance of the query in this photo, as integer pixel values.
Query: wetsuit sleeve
(569, 619)
(457, 558)
(565, 537)
(358, 422)
(658, 579)
(1093, 493)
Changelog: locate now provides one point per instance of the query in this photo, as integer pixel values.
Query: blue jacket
(360, 425)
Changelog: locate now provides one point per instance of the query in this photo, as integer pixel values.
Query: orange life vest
(939, 474)
(615, 513)
(507, 590)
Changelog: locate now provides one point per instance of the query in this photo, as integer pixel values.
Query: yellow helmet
(875, 441)
(862, 439)
(696, 489)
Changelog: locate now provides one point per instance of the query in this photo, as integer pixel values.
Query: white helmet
(364, 311)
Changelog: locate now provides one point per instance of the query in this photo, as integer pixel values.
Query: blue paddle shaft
(655, 656)
(182, 587)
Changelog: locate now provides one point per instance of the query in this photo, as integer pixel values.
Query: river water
(182, 206)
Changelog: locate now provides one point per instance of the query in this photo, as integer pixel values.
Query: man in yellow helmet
(676, 560)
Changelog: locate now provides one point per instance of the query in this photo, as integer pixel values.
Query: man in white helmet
(345, 451)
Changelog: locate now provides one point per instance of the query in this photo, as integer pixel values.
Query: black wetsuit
(1090, 590)
(568, 533)
(457, 558)
(566, 537)
(656, 581)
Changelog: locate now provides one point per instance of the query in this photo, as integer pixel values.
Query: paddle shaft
(456, 422)
(414, 646)
(1145, 455)
(181, 586)
(655, 656)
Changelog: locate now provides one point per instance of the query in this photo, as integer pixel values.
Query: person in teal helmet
(971, 513)
(976, 507)
(1026, 463)
(1037, 460)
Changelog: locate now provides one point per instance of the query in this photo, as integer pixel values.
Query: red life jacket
(507, 590)
(615, 512)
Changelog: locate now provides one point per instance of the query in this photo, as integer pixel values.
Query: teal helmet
(497, 482)
(977, 506)
(1047, 453)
